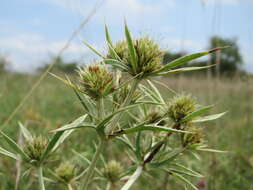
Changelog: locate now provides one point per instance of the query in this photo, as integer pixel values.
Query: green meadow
(53, 104)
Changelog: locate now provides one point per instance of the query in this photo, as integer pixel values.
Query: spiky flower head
(155, 117)
(196, 137)
(148, 56)
(66, 171)
(120, 48)
(180, 106)
(96, 80)
(113, 170)
(36, 147)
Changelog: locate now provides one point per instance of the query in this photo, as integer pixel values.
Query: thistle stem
(133, 178)
(70, 187)
(100, 108)
(125, 103)
(41, 180)
(93, 164)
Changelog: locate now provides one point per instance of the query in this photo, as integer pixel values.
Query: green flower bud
(148, 54)
(112, 171)
(120, 48)
(96, 80)
(155, 117)
(66, 171)
(196, 137)
(180, 106)
(36, 147)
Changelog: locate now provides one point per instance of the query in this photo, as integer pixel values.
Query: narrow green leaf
(151, 128)
(211, 150)
(107, 35)
(173, 170)
(151, 94)
(126, 142)
(194, 173)
(208, 118)
(158, 94)
(138, 146)
(62, 139)
(172, 156)
(117, 64)
(109, 117)
(185, 69)
(186, 59)
(93, 49)
(85, 161)
(112, 50)
(78, 123)
(182, 178)
(131, 48)
(9, 154)
(14, 146)
(68, 83)
(197, 113)
(51, 144)
(27, 135)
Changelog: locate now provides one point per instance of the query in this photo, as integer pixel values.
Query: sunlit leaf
(78, 123)
(93, 49)
(182, 178)
(197, 113)
(27, 135)
(14, 146)
(185, 69)
(131, 48)
(186, 59)
(208, 118)
(9, 154)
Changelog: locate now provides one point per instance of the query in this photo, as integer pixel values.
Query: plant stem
(125, 103)
(93, 164)
(100, 109)
(41, 180)
(70, 187)
(133, 178)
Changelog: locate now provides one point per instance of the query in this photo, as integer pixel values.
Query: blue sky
(31, 31)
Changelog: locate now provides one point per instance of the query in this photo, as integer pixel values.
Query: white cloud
(28, 51)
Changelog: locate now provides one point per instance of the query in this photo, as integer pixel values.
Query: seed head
(180, 106)
(148, 54)
(96, 80)
(196, 137)
(66, 171)
(113, 171)
(36, 147)
(120, 49)
(155, 117)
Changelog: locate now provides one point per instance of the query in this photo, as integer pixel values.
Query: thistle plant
(155, 133)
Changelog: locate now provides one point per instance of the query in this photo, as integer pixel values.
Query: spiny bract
(96, 80)
(66, 171)
(180, 106)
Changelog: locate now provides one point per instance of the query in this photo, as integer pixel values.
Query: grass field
(54, 104)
